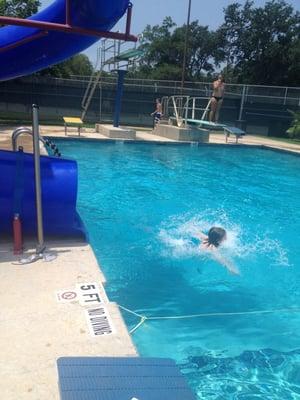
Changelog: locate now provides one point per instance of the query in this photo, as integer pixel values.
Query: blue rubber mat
(121, 378)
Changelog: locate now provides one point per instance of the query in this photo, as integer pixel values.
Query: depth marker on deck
(99, 321)
(90, 294)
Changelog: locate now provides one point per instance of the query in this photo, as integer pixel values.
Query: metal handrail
(22, 129)
(181, 107)
(19, 131)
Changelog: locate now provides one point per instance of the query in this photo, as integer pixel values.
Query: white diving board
(201, 122)
(208, 124)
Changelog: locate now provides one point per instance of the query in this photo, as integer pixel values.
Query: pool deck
(37, 325)
(141, 135)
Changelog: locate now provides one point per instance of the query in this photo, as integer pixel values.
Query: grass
(17, 121)
(282, 139)
(21, 121)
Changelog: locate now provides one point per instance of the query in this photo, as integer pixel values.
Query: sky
(207, 12)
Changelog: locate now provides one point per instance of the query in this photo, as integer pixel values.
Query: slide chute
(56, 33)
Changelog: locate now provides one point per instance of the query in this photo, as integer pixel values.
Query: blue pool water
(142, 205)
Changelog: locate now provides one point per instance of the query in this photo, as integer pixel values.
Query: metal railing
(46, 142)
(283, 94)
(183, 108)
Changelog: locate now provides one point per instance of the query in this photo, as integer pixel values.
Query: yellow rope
(130, 311)
(143, 318)
(215, 314)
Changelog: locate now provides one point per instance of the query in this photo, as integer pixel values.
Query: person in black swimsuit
(216, 99)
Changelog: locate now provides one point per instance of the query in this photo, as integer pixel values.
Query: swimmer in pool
(210, 242)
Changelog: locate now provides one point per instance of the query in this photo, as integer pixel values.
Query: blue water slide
(25, 50)
(59, 192)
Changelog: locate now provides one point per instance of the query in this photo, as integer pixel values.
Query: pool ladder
(41, 252)
(22, 129)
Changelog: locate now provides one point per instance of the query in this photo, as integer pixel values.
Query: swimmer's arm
(200, 235)
(226, 263)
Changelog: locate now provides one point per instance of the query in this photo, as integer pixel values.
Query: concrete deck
(36, 328)
(141, 135)
(115, 132)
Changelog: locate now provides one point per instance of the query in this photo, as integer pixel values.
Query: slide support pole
(121, 75)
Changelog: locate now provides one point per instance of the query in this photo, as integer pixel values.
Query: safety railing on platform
(182, 108)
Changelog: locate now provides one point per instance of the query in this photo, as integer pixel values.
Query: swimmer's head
(216, 236)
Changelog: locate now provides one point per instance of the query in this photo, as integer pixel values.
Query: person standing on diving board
(216, 99)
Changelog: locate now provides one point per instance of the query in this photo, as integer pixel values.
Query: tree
(262, 44)
(156, 44)
(19, 8)
(77, 65)
(163, 48)
(204, 52)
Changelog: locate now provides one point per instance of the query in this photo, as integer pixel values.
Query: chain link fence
(263, 108)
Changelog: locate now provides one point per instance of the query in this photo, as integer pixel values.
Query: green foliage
(294, 130)
(262, 44)
(19, 8)
(163, 48)
(77, 65)
(255, 45)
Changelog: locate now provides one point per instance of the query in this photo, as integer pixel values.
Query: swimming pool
(143, 203)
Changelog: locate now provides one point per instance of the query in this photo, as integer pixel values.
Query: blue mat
(121, 378)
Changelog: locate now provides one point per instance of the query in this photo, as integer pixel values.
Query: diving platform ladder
(113, 48)
(93, 82)
(89, 92)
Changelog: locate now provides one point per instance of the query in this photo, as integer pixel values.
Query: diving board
(207, 124)
(121, 378)
(127, 55)
(199, 123)
(232, 130)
